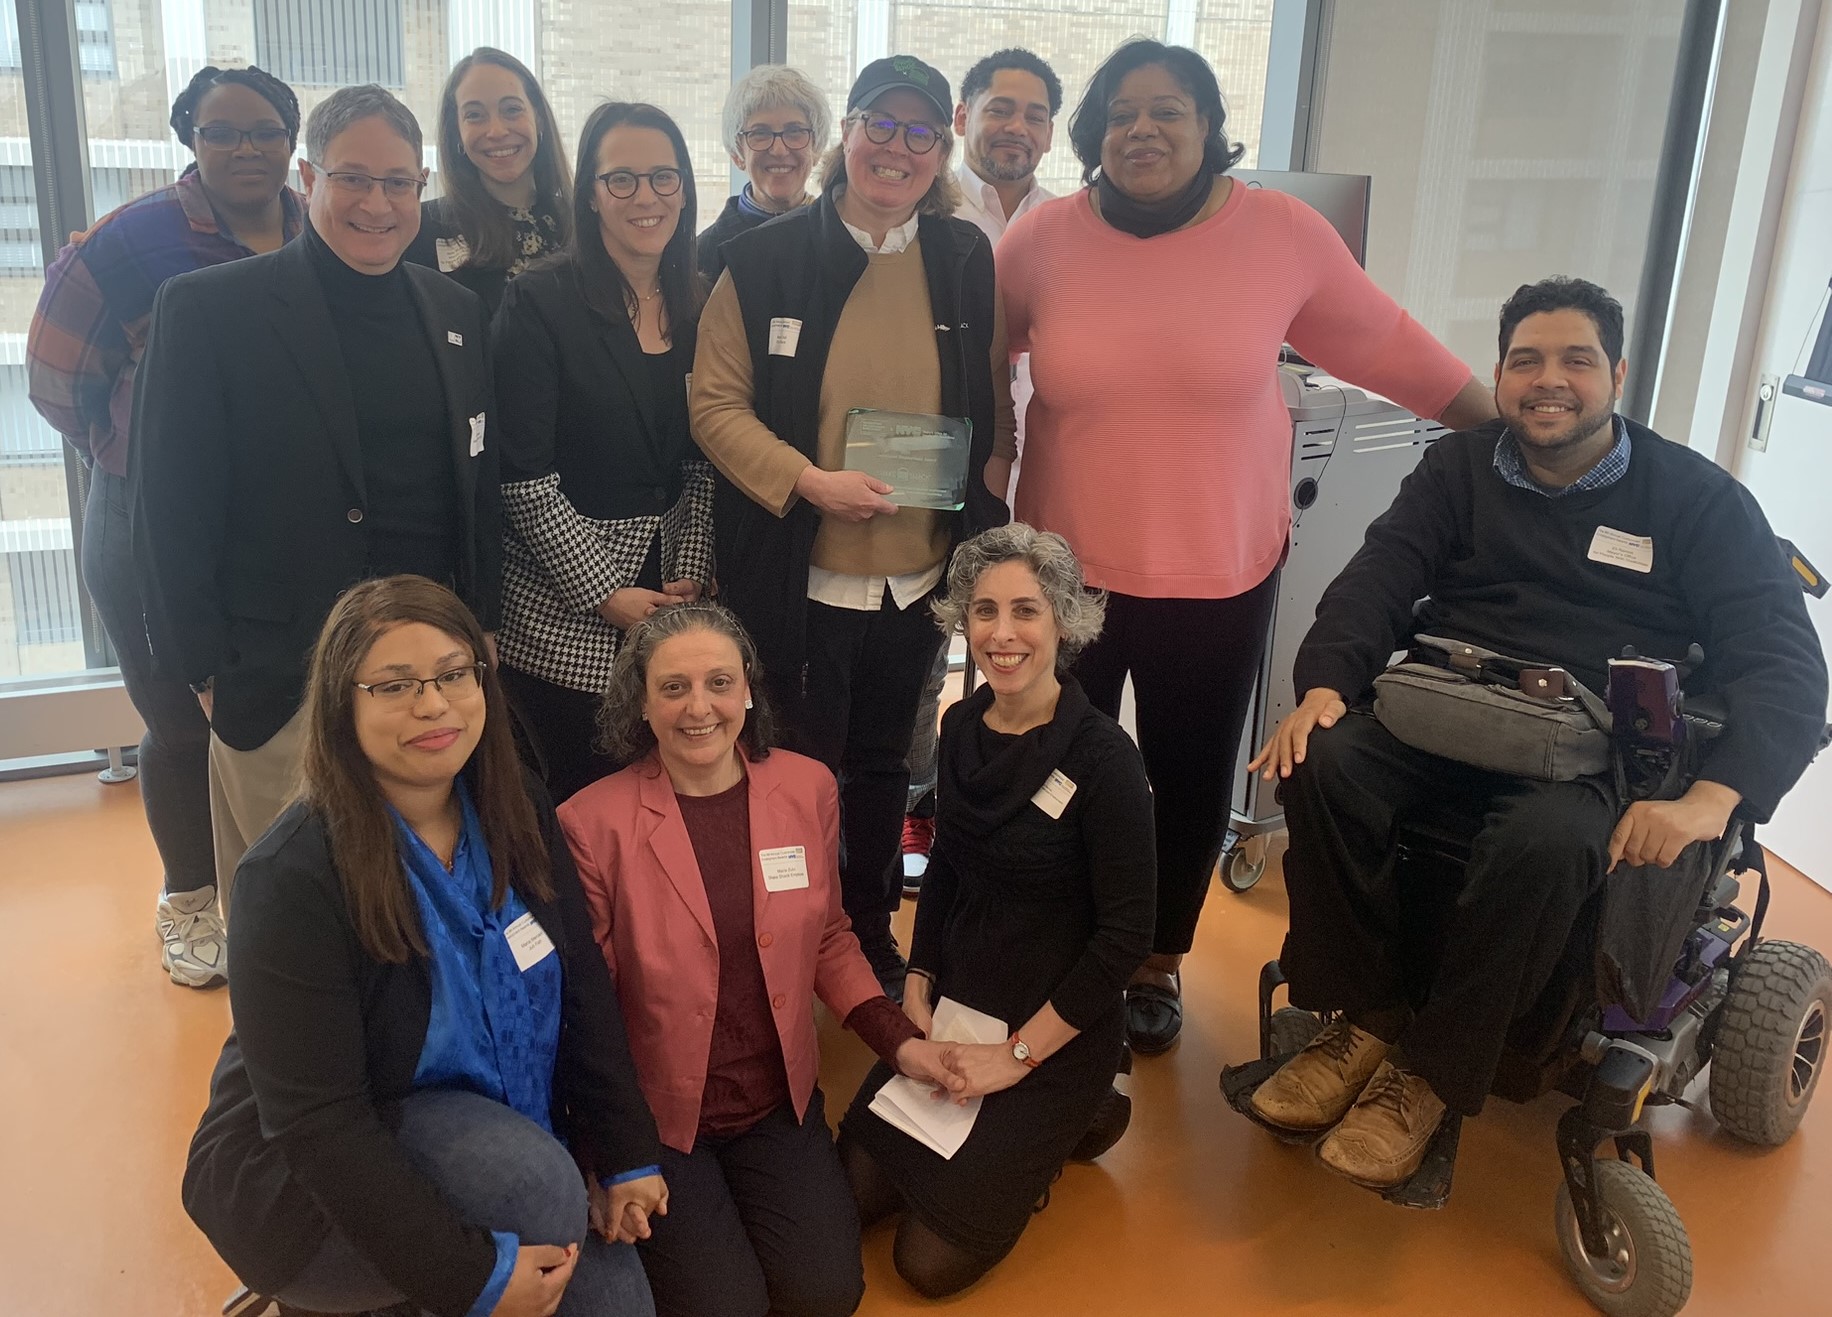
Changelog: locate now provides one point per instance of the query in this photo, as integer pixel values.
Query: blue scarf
(493, 1029)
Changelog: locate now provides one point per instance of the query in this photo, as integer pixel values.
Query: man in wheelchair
(1563, 534)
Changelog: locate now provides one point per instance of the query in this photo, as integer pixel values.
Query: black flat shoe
(887, 964)
(1107, 1128)
(1154, 1015)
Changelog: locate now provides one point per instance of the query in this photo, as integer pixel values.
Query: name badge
(1054, 795)
(453, 337)
(453, 253)
(785, 868)
(784, 335)
(690, 387)
(1620, 549)
(529, 942)
(477, 434)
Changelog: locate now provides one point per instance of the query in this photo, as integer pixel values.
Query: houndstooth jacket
(558, 566)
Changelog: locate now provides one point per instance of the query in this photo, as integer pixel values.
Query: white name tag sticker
(1054, 795)
(477, 434)
(529, 942)
(452, 253)
(784, 335)
(1620, 549)
(453, 337)
(785, 868)
(690, 387)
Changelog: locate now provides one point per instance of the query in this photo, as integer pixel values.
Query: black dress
(442, 246)
(1017, 909)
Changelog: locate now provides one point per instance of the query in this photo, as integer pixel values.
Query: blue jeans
(500, 1171)
(175, 751)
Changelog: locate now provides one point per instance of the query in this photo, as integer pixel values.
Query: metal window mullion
(760, 35)
(59, 132)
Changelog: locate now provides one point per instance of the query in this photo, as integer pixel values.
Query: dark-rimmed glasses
(919, 138)
(796, 137)
(622, 183)
(453, 684)
(396, 187)
(224, 138)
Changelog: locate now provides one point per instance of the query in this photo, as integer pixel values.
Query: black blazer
(297, 1135)
(595, 460)
(246, 476)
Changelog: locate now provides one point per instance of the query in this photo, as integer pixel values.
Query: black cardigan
(1511, 570)
(804, 266)
(327, 1039)
(733, 220)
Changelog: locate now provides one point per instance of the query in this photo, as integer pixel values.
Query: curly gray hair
(1079, 611)
(775, 87)
(623, 732)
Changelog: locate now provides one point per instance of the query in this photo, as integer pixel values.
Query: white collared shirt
(898, 239)
(980, 203)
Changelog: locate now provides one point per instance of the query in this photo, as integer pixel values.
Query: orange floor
(106, 1066)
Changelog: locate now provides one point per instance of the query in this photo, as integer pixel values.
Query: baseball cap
(882, 75)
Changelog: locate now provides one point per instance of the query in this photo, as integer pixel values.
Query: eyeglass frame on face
(749, 135)
(637, 180)
(250, 135)
(370, 181)
(378, 690)
(865, 119)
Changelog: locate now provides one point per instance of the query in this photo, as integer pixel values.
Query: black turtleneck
(411, 505)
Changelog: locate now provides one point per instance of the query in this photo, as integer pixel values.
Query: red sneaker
(918, 841)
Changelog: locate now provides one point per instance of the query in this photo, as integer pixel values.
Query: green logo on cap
(907, 67)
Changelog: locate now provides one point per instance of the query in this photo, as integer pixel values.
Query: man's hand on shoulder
(1322, 708)
(1656, 831)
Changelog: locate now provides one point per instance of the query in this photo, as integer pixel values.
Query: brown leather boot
(1382, 1140)
(1311, 1091)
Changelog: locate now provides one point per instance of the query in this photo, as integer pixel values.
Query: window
(43, 585)
(330, 43)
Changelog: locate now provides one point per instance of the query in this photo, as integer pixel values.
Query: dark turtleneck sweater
(410, 505)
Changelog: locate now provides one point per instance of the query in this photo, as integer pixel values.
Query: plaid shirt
(1511, 467)
(90, 327)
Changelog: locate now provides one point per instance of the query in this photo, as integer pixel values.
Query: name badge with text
(477, 434)
(785, 868)
(784, 335)
(529, 942)
(1620, 549)
(1054, 795)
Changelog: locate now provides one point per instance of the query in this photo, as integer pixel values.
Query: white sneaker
(196, 952)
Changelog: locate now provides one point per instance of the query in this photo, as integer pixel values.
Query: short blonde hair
(943, 196)
(1080, 612)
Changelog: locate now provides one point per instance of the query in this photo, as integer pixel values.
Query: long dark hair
(683, 290)
(479, 216)
(338, 781)
(624, 733)
(1088, 127)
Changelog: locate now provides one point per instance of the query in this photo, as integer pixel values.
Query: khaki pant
(248, 789)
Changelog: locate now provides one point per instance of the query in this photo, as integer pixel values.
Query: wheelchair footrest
(1240, 1082)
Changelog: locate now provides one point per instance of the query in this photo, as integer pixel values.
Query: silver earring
(747, 701)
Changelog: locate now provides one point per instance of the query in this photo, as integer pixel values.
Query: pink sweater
(1157, 442)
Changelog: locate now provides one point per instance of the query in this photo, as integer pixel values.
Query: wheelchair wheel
(1292, 1030)
(1240, 870)
(1647, 1270)
(1771, 1042)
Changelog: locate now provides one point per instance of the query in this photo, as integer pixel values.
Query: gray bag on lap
(1474, 706)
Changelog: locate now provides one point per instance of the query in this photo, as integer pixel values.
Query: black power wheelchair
(1753, 1008)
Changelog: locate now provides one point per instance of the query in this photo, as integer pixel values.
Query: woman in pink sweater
(1154, 304)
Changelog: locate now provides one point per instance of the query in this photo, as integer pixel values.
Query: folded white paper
(910, 1105)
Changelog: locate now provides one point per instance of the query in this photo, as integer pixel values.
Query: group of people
(512, 633)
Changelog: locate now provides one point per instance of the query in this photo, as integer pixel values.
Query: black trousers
(760, 1222)
(1193, 664)
(1538, 858)
(864, 680)
(558, 732)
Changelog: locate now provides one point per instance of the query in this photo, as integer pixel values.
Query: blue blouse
(494, 1028)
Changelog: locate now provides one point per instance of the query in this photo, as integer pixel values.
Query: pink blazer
(653, 923)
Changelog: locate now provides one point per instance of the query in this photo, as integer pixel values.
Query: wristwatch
(1020, 1051)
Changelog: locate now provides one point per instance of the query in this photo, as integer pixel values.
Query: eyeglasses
(224, 138)
(919, 137)
(622, 183)
(396, 187)
(453, 684)
(796, 137)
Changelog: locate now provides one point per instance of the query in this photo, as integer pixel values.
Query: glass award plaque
(922, 458)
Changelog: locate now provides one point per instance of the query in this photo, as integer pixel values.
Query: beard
(1582, 426)
(995, 170)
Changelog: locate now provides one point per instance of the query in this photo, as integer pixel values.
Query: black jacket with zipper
(803, 266)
